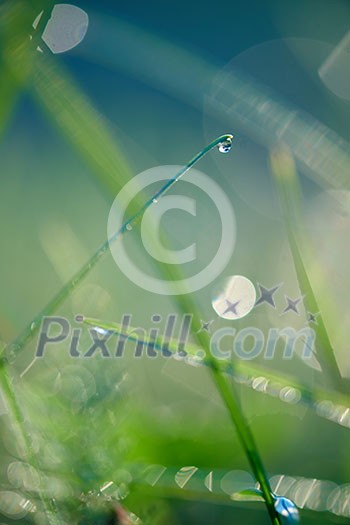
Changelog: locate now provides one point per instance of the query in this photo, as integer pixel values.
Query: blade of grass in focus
(138, 208)
(185, 305)
(85, 132)
(289, 193)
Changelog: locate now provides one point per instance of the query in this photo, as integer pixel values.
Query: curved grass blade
(32, 328)
(44, 77)
(226, 390)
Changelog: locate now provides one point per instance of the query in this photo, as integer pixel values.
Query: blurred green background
(152, 84)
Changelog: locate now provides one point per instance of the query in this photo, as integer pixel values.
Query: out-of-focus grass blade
(311, 494)
(17, 49)
(16, 62)
(251, 375)
(81, 125)
(139, 207)
(79, 122)
(16, 57)
(289, 193)
(237, 102)
(230, 400)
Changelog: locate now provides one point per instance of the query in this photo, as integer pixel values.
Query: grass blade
(185, 305)
(32, 328)
(243, 373)
(289, 193)
(78, 121)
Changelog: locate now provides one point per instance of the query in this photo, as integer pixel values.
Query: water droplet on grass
(13, 505)
(23, 476)
(183, 476)
(287, 511)
(194, 360)
(208, 482)
(153, 474)
(225, 146)
(235, 481)
(290, 395)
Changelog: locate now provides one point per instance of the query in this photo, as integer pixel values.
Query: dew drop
(128, 227)
(23, 476)
(225, 146)
(154, 473)
(184, 475)
(194, 360)
(108, 489)
(13, 505)
(290, 395)
(287, 511)
(208, 482)
(122, 491)
(100, 330)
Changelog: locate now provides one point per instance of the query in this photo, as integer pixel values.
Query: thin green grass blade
(242, 373)
(185, 305)
(198, 489)
(32, 328)
(289, 193)
(231, 401)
